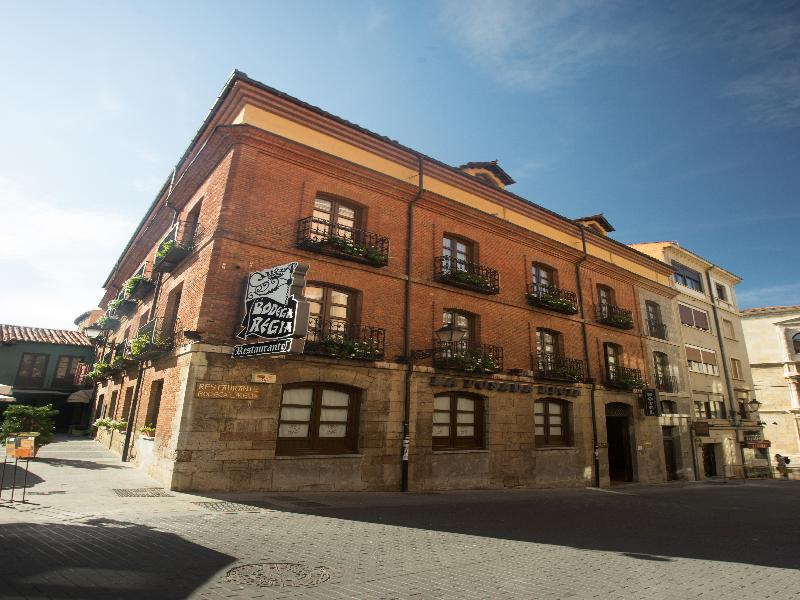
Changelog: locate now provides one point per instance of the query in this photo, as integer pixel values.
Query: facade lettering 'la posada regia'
(309, 305)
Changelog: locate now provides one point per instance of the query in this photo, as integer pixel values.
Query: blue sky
(680, 121)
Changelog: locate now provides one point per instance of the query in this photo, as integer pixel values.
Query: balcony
(180, 241)
(557, 368)
(137, 287)
(467, 356)
(466, 275)
(666, 383)
(614, 316)
(319, 235)
(550, 297)
(153, 339)
(657, 329)
(122, 307)
(339, 340)
(623, 378)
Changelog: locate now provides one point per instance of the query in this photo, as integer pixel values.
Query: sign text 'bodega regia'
(275, 312)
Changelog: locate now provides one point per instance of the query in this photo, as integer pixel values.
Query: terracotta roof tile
(19, 333)
(766, 310)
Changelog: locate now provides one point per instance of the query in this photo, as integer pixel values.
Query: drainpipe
(589, 378)
(724, 358)
(132, 414)
(407, 328)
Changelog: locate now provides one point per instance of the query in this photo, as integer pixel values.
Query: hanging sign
(651, 405)
(275, 312)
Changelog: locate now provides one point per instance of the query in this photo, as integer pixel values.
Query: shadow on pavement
(750, 524)
(16, 474)
(80, 464)
(104, 559)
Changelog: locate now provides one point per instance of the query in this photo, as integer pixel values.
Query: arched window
(318, 418)
(551, 422)
(457, 421)
(796, 342)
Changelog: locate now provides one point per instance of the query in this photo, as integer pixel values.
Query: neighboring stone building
(509, 342)
(724, 425)
(39, 365)
(773, 344)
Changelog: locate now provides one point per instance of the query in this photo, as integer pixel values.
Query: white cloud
(774, 295)
(376, 17)
(772, 94)
(53, 258)
(536, 45)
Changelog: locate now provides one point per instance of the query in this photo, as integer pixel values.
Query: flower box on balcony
(552, 298)
(464, 356)
(558, 368)
(123, 307)
(108, 323)
(614, 316)
(466, 275)
(625, 379)
(333, 338)
(137, 287)
(146, 346)
(325, 237)
(169, 254)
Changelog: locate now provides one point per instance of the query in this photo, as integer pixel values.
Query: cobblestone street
(77, 538)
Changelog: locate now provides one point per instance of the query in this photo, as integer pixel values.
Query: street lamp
(754, 405)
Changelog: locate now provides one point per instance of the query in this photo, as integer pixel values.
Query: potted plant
(137, 287)
(108, 322)
(148, 430)
(145, 346)
(122, 306)
(99, 370)
(21, 417)
(169, 254)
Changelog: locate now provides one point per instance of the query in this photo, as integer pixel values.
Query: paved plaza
(78, 538)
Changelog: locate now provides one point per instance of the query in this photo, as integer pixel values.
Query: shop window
(318, 419)
(65, 371)
(694, 317)
(551, 422)
(335, 216)
(32, 370)
(457, 421)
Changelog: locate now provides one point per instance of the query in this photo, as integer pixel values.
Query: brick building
(536, 389)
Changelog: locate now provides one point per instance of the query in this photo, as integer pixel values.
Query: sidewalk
(79, 539)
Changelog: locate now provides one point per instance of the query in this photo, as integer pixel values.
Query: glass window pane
(539, 430)
(332, 430)
(465, 418)
(313, 292)
(465, 430)
(441, 417)
(441, 403)
(466, 404)
(322, 205)
(335, 398)
(555, 419)
(441, 430)
(300, 396)
(555, 408)
(293, 430)
(346, 212)
(295, 413)
(338, 312)
(538, 419)
(333, 414)
(555, 430)
(338, 297)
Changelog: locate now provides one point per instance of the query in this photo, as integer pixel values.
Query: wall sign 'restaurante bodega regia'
(275, 312)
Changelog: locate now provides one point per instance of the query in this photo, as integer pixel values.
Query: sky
(677, 120)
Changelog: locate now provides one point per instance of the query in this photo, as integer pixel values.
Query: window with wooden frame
(457, 421)
(457, 252)
(736, 369)
(669, 407)
(702, 361)
(32, 371)
(605, 298)
(340, 217)
(722, 292)
(154, 402)
(661, 362)
(548, 342)
(543, 277)
(687, 277)
(727, 329)
(65, 371)
(462, 320)
(694, 317)
(551, 422)
(653, 312)
(613, 356)
(331, 309)
(318, 418)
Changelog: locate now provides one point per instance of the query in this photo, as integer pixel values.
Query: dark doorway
(709, 460)
(620, 467)
(669, 453)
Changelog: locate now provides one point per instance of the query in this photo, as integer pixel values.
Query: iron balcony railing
(325, 237)
(465, 274)
(608, 314)
(657, 329)
(557, 367)
(467, 356)
(176, 246)
(623, 377)
(154, 338)
(339, 339)
(666, 383)
(553, 298)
